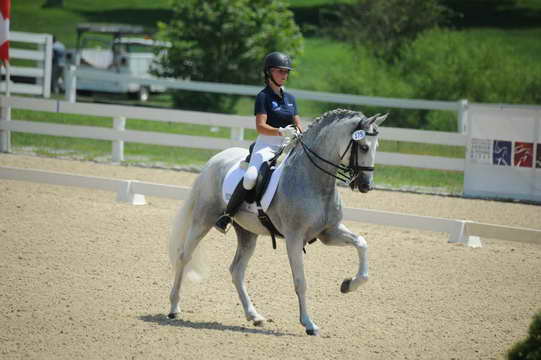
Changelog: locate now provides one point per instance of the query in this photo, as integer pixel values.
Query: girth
(263, 179)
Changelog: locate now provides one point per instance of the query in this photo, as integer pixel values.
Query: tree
(386, 25)
(224, 41)
(53, 3)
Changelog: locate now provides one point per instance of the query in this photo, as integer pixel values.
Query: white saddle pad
(235, 174)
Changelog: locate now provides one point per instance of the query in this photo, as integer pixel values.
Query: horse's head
(362, 152)
(346, 144)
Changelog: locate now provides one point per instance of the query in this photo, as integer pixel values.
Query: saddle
(256, 194)
(263, 177)
(260, 197)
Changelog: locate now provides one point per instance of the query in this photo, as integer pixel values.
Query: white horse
(341, 144)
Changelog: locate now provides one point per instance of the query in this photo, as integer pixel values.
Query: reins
(346, 174)
(342, 177)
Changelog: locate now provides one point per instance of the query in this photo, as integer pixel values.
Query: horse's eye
(364, 148)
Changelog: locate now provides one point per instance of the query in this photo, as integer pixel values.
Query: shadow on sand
(162, 319)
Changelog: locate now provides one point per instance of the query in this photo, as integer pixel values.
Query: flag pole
(5, 10)
(5, 135)
(8, 78)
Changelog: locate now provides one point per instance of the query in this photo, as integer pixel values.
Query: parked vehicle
(119, 49)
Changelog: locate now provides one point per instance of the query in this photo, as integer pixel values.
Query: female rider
(276, 118)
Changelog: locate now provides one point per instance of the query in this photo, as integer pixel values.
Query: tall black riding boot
(233, 206)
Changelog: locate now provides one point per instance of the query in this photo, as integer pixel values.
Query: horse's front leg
(341, 235)
(296, 261)
(245, 249)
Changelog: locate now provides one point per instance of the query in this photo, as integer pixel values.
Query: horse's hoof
(259, 323)
(312, 332)
(172, 316)
(344, 289)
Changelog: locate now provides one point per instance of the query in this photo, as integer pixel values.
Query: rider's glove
(289, 132)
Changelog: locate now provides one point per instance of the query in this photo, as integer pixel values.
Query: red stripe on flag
(4, 51)
(5, 8)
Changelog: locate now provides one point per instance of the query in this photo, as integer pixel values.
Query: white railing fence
(38, 75)
(118, 134)
(134, 192)
(460, 107)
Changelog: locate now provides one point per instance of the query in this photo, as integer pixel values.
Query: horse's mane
(330, 117)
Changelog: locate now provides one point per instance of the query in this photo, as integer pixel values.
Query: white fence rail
(460, 107)
(134, 192)
(39, 75)
(118, 135)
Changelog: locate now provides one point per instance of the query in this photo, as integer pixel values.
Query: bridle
(347, 174)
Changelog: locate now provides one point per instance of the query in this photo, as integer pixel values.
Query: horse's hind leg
(341, 235)
(198, 229)
(174, 296)
(245, 249)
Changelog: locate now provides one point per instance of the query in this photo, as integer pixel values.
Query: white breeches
(264, 149)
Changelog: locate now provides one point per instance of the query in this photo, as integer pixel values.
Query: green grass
(404, 147)
(451, 182)
(28, 15)
(530, 4)
(518, 42)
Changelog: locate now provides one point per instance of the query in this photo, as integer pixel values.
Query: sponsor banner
(504, 152)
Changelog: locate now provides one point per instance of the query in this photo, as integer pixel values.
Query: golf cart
(119, 49)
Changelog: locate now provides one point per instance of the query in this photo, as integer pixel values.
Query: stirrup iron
(223, 224)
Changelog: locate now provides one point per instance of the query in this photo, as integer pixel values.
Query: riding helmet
(278, 60)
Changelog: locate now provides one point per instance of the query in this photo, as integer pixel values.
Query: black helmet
(278, 60)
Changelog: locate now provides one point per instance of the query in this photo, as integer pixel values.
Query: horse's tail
(179, 234)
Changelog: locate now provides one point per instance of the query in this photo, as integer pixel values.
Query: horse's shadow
(161, 319)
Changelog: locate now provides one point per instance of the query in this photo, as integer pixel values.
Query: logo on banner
(481, 151)
(501, 154)
(538, 157)
(523, 154)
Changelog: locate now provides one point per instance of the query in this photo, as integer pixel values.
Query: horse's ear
(379, 119)
(371, 119)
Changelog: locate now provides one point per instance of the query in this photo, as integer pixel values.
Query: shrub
(446, 65)
(386, 25)
(225, 41)
(364, 74)
(530, 348)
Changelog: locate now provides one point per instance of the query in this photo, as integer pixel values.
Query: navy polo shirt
(280, 111)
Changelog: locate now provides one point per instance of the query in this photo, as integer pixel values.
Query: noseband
(349, 173)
